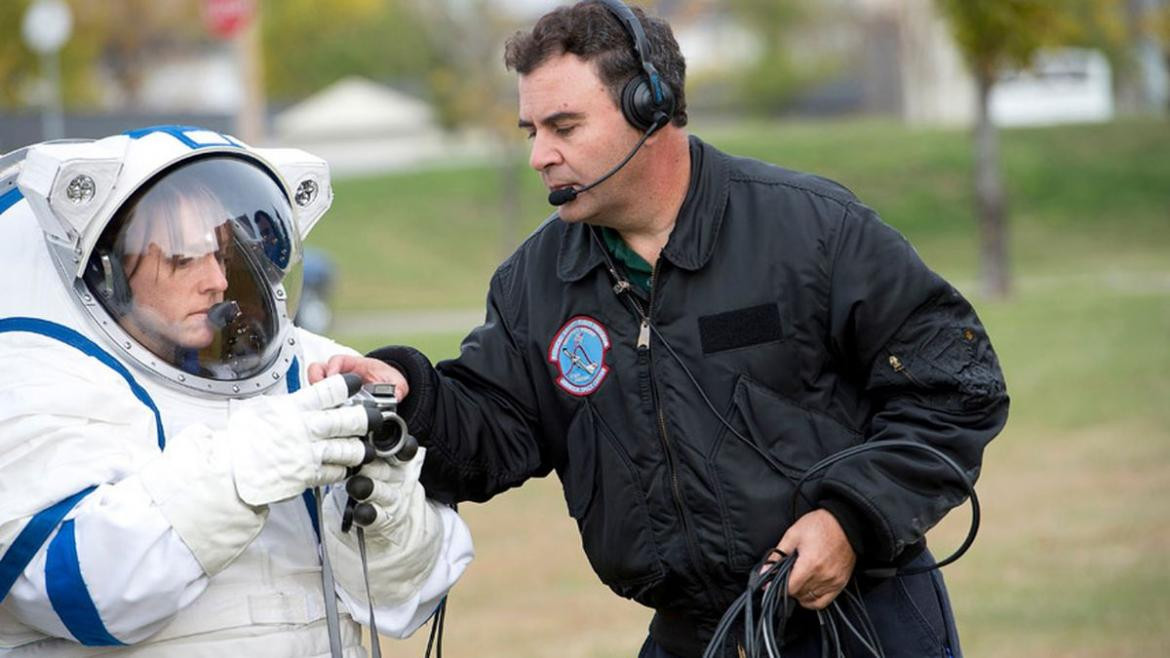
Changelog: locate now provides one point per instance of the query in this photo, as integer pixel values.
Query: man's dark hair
(589, 31)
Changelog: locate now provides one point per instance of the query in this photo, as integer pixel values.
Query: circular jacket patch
(578, 351)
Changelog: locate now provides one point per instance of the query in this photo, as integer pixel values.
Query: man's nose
(213, 278)
(543, 154)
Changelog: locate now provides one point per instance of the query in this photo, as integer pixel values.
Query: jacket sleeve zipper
(900, 368)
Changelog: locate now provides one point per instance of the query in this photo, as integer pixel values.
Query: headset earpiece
(647, 103)
(107, 280)
(640, 107)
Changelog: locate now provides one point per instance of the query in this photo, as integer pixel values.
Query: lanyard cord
(375, 644)
(327, 585)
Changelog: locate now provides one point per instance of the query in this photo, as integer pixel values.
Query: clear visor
(192, 264)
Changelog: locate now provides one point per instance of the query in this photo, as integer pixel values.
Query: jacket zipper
(645, 356)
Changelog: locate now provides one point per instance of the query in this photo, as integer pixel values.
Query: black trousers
(911, 614)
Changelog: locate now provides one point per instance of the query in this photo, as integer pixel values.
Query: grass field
(1074, 554)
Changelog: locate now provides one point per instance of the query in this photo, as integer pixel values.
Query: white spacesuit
(158, 440)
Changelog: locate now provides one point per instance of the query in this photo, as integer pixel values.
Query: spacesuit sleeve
(85, 554)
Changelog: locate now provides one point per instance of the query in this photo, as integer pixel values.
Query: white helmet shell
(109, 206)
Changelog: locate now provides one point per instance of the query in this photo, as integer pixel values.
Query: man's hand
(372, 371)
(824, 560)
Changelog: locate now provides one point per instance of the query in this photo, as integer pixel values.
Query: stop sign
(224, 18)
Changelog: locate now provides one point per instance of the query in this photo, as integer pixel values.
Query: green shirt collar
(636, 267)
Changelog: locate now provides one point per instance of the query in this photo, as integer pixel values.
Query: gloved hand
(403, 539)
(213, 486)
(282, 445)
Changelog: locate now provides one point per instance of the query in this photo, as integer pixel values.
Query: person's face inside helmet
(176, 278)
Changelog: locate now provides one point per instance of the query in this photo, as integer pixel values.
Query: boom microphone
(566, 194)
(222, 314)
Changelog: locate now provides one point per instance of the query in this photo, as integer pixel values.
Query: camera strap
(328, 586)
(375, 645)
(332, 619)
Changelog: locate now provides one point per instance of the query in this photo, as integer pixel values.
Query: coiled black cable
(768, 583)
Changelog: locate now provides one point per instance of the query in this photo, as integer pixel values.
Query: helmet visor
(192, 265)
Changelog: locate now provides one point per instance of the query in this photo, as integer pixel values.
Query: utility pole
(238, 21)
(46, 27)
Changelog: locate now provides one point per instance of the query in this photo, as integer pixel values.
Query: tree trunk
(994, 275)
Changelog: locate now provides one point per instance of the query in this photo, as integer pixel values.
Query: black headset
(646, 101)
(107, 280)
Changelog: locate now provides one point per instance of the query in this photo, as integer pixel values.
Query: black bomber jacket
(782, 305)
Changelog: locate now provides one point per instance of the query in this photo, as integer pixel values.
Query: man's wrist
(854, 524)
(417, 409)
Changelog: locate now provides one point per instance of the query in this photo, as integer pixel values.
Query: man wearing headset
(683, 342)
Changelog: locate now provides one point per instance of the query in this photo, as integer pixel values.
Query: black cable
(743, 439)
(830, 636)
(768, 580)
(972, 530)
(845, 454)
(437, 619)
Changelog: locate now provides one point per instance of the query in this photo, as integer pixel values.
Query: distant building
(914, 70)
(359, 126)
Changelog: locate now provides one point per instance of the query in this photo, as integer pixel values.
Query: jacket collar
(692, 241)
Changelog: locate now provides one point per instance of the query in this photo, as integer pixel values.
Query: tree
(119, 37)
(1159, 19)
(776, 76)
(378, 39)
(472, 89)
(995, 36)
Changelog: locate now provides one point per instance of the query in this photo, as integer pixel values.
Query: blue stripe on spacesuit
(9, 199)
(88, 347)
(292, 378)
(179, 133)
(30, 539)
(69, 595)
(293, 381)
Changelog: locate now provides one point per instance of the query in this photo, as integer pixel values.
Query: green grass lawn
(1094, 195)
(1074, 554)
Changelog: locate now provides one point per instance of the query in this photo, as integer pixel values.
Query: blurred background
(1022, 145)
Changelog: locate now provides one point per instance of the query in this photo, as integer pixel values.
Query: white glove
(285, 444)
(402, 542)
(213, 487)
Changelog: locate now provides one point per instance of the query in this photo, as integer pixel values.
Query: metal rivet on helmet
(306, 192)
(81, 189)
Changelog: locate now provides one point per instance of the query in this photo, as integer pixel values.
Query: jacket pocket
(607, 499)
(755, 501)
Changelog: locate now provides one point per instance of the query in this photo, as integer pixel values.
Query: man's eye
(183, 261)
(564, 131)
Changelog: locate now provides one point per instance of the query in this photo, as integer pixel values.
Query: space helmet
(182, 246)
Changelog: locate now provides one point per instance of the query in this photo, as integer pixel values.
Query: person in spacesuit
(158, 452)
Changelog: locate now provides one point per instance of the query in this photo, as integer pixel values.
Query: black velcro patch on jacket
(747, 326)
